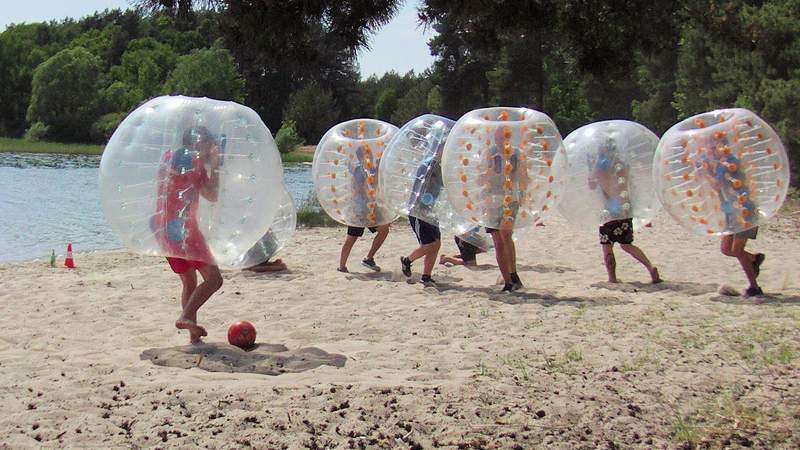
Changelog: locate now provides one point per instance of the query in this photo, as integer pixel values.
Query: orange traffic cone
(69, 262)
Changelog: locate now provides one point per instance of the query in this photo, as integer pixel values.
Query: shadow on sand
(531, 296)
(766, 299)
(684, 287)
(265, 359)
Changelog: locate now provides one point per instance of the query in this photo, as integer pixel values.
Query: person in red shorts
(182, 180)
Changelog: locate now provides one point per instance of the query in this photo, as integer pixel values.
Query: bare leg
(610, 262)
(500, 254)
(733, 247)
(269, 266)
(432, 250)
(639, 255)
(189, 281)
(511, 250)
(454, 260)
(383, 231)
(212, 281)
(347, 246)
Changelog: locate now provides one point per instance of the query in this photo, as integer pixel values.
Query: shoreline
(13, 145)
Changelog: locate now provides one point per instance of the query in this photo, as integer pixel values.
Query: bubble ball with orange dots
(721, 172)
(609, 175)
(503, 167)
(345, 172)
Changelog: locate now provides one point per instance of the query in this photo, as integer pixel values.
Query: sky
(400, 46)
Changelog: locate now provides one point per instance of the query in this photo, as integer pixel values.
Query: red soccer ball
(242, 334)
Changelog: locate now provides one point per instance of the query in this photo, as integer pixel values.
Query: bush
(105, 126)
(287, 138)
(37, 132)
(311, 214)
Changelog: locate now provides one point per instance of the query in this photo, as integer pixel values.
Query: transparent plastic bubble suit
(276, 237)
(345, 172)
(721, 172)
(503, 167)
(411, 175)
(609, 175)
(192, 178)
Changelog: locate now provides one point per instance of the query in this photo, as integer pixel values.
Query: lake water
(47, 201)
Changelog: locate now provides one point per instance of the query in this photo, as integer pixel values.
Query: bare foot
(195, 339)
(194, 329)
(441, 259)
(613, 280)
(654, 276)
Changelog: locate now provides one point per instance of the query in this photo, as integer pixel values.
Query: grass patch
(567, 362)
(647, 358)
(731, 419)
(297, 156)
(762, 345)
(310, 214)
(12, 145)
(23, 146)
(482, 370)
(684, 429)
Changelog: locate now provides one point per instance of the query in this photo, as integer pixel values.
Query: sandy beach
(89, 357)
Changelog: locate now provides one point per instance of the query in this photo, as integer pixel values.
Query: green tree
(386, 104)
(313, 110)
(209, 72)
(743, 53)
(414, 103)
(281, 46)
(64, 91)
(144, 68)
(22, 49)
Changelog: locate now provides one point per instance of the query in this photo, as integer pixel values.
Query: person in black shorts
(467, 254)
(609, 173)
(621, 232)
(353, 233)
(430, 241)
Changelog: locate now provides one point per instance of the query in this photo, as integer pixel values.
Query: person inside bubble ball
(467, 252)
(610, 173)
(507, 178)
(359, 168)
(727, 176)
(427, 186)
(268, 245)
(182, 180)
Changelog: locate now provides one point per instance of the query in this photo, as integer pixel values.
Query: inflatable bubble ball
(192, 178)
(609, 175)
(345, 172)
(411, 169)
(721, 172)
(503, 166)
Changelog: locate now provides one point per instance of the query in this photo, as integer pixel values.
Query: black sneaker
(405, 263)
(516, 285)
(427, 280)
(753, 291)
(370, 264)
(508, 287)
(760, 257)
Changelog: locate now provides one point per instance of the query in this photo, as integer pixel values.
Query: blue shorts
(425, 232)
